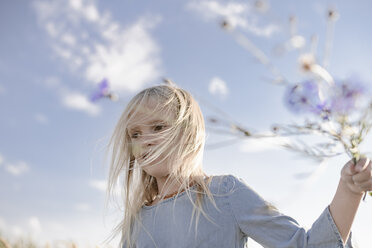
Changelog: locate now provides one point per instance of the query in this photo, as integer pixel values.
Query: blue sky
(52, 138)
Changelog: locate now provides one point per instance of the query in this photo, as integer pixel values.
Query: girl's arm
(355, 180)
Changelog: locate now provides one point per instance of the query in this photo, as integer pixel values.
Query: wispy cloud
(53, 83)
(218, 87)
(8, 230)
(16, 231)
(83, 207)
(34, 225)
(2, 223)
(41, 118)
(262, 145)
(18, 168)
(1, 159)
(99, 184)
(95, 46)
(77, 101)
(30, 227)
(238, 14)
(72, 99)
(14, 168)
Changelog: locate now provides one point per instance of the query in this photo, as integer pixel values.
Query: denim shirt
(240, 214)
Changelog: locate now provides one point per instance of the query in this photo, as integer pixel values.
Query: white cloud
(263, 144)
(1, 159)
(83, 207)
(92, 44)
(76, 4)
(218, 87)
(52, 82)
(91, 13)
(99, 184)
(34, 224)
(130, 60)
(45, 9)
(16, 231)
(239, 15)
(70, 99)
(41, 118)
(69, 39)
(64, 53)
(29, 227)
(18, 168)
(51, 29)
(3, 224)
(80, 102)
(211, 10)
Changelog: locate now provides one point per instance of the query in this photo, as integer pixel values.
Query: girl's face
(146, 136)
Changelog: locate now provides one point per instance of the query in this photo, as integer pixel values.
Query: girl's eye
(134, 135)
(158, 127)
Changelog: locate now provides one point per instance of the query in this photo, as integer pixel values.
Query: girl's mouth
(144, 156)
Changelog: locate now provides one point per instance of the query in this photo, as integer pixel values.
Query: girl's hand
(358, 178)
(355, 181)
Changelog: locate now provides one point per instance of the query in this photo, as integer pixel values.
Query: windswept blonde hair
(181, 148)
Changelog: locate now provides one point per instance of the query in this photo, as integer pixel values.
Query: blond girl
(157, 151)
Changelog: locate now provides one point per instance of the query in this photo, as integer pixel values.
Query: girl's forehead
(150, 114)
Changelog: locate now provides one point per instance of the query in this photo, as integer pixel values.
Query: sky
(53, 55)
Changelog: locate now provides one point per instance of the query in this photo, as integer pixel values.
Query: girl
(157, 150)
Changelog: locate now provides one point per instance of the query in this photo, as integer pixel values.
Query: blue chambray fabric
(240, 214)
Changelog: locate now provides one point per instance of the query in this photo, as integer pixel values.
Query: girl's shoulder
(239, 195)
(226, 184)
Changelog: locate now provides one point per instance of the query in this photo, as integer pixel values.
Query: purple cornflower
(102, 91)
(341, 99)
(304, 98)
(346, 96)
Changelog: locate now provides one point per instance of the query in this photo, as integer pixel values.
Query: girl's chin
(155, 171)
(149, 165)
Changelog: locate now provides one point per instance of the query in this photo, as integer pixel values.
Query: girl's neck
(166, 188)
(166, 191)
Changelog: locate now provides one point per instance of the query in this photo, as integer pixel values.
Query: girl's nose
(147, 142)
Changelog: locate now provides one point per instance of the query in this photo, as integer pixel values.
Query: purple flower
(102, 91)
(304, 98)
(341, 99)
(346, 96)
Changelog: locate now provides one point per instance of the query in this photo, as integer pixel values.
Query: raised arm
(355, 180)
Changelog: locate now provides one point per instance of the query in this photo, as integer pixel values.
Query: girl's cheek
(136, 149)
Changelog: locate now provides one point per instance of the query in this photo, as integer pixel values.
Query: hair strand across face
(179, 147)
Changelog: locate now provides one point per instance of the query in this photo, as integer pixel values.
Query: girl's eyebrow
(131, 128)
(156, 122)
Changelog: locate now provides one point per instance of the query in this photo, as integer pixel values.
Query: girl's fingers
(364, 175)
(365, 186)
(348, 169)
(347, 178)
(358, 177)
(362, 164)
(355, 188)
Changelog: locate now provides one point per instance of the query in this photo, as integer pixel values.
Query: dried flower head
(261, 5)
(226, 25)
(307, 61)
(332, 14)
(297, 42)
